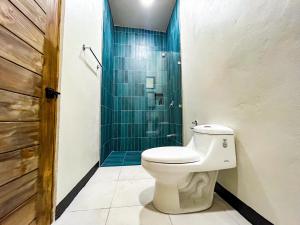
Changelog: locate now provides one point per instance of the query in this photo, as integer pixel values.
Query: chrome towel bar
(91, 50)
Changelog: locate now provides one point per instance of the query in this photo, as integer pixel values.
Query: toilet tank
(215, 144)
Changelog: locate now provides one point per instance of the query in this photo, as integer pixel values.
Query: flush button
(225, 144)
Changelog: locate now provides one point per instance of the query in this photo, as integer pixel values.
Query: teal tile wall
(174, 77)
(135, 117)
(107, 83)
(140, 121)
(173, 30)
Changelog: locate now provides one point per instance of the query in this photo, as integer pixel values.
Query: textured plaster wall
(79, 116)
(241, 68)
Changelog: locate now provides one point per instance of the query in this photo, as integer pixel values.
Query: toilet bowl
(185, 177)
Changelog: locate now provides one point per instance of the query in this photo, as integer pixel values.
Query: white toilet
(186, 176)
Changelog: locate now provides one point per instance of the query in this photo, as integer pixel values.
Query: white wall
(78, 142)
(241, 68)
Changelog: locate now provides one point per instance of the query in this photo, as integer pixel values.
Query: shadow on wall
(229, 178)
(83, 56)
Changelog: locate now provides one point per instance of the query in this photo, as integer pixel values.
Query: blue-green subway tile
(137, 45)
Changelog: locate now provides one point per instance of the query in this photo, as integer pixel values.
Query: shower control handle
(171, 135)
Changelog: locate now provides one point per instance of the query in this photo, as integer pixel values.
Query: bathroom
(142, 112)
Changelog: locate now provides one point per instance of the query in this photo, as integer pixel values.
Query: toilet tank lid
(212, 129)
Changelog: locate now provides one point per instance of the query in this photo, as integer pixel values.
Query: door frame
(48, 115)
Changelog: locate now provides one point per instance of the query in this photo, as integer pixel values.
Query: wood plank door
(29, 56)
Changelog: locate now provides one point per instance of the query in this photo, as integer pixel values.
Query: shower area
(140, 91)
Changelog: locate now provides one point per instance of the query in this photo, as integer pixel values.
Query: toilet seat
(171, 155)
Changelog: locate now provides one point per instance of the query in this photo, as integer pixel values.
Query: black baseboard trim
(63, 205)
(250, 214)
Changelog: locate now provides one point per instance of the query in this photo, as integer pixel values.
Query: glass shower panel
(157, 108)
(140, 89)
(175, 102)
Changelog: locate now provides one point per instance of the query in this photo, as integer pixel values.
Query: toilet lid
(171, 155)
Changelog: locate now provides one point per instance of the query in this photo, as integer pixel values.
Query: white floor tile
(106, 174)
(137, 215)
(94, 196)
(133, 192)
(217, 214)
(232, 212)
(238, 217)
(133, 173)
(123, 196)
(91, 217)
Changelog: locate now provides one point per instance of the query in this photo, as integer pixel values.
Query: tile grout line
(102, 208)
(119, 173)
(115, 190)
(127, 206)
(85, 210)
(170, 219)
(233, 217)
(107, 216)
(226, 207)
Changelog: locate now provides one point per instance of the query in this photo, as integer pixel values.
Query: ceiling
(132, 13)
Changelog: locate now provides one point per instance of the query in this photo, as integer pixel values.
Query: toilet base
(191, 194)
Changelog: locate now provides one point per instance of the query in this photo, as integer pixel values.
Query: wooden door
(29, 37)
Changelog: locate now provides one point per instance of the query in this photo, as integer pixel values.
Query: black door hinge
(51, 93)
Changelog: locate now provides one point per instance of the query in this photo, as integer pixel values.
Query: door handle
(51, 93)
